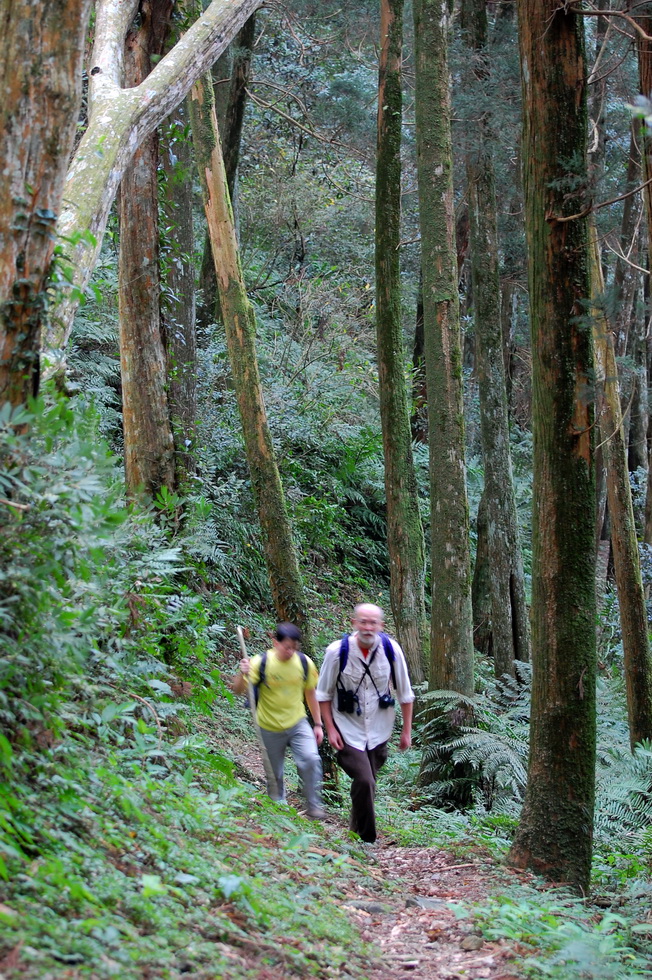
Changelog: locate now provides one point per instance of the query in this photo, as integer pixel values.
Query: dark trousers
(362, 765)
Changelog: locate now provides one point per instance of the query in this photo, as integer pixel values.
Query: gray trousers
(301, 741)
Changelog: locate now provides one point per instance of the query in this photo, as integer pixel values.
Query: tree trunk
(119, 122)
(451, 638)
(419, 417)
(626, 278)
(637, 444)
(481, 584)
(230, 118)
(148, 441)
(240, 327)
(404, 529)
(509, 615)
(179, 303)
(555, 833)
(41, 52)
(631, 598)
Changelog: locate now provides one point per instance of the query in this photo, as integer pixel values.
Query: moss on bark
(240, 327)
(404, 529)
(555, 833)
(451, 644)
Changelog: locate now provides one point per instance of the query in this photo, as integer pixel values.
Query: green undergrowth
(150, 859)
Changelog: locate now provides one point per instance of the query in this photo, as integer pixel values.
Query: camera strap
(388, 650)
(366, 673)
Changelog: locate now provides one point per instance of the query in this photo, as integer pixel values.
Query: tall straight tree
(555, 833)
(240, 328)
(451, 636)
(148, 439)
(631, 598)
(41, 51)
(509, 615)
(179, 307)
(404, 529)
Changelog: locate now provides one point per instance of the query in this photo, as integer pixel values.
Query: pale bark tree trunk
(555, 833)
(148, 441)
(119, 121)
(509, 614)
(404, 529)
(240, 327)
(451, 638)
(179, 305)
(41, 50)
(631, 598)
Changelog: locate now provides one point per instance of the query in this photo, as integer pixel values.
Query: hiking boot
(317, 813)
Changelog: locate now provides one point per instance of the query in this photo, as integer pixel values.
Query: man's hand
(335, 738)
(405, 741)
(319, 734)
(244, 666)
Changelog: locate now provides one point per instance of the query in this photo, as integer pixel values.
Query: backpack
(387, 647)
(263, 668)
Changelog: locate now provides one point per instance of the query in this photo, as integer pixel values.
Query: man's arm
(405, 740)
(240, 681)
(315, 711)
(334, 736)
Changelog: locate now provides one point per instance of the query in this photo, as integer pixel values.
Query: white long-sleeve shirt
(373, 725)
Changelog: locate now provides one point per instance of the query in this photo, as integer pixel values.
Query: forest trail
(415, 906)
(416, 930)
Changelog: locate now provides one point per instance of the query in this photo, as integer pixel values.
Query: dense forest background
(137, 525)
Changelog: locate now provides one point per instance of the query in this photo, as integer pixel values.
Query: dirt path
(413, 927)
(415, 930)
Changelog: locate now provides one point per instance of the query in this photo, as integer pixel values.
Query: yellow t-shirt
(280, 696)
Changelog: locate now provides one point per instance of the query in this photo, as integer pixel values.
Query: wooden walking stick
(272, 785)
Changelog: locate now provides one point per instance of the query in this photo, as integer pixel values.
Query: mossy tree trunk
(451, 637)
(404, 529)
(147, 430)
(230, 119)
(631, 598)
(179, 304)
(419, 416)
(510, 639)
(41, 50)
(240, 327)
(481, 584)
(555, 834)
(644, 19)
(120, 119)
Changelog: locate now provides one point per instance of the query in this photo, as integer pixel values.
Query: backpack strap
(261, 676)
(389, 653)
(263, 668)
(387, 647)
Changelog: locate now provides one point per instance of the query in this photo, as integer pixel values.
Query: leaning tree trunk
(240, 327)
(119, 121)
(631, 598)
(41, 51)
(148, 441)
(509, 614)
(404, 529)
(555, 833)
(179, 304)
(230, 119)
(451, 638)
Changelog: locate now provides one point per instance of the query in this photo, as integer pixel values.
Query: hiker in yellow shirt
(282, 678)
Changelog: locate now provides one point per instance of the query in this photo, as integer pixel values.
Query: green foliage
(475, 749)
